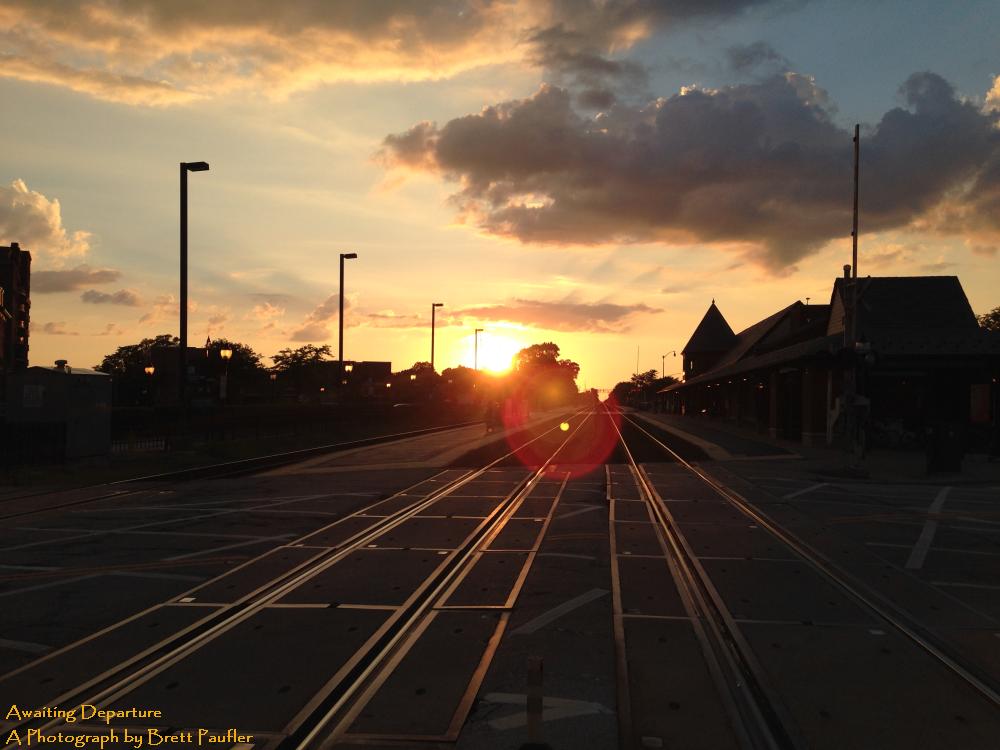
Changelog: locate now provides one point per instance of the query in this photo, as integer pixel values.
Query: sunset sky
(590, 172)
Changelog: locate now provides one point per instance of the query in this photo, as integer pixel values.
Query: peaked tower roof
(713, 334)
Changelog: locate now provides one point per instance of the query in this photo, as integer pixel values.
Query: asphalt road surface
(585, 581)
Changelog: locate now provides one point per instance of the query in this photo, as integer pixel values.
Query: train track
(118, 488)
(755, 707)
(120, 679)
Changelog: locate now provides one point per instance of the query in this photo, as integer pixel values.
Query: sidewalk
(723, 441)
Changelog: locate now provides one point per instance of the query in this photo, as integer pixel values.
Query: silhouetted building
(15, 307)
(55, 413)
(921, 361)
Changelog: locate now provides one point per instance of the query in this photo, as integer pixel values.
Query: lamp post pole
(340, 336)
(193, 166)
(475, 360)
(434, 307)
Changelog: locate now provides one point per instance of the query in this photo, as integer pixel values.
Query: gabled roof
(712, 335)
(913, 302)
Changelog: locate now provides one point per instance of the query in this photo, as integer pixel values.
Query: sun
(496, 351)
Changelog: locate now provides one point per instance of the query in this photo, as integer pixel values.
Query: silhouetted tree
(990, 320)
(545, 379)
(133, 358)
(127, 366)
(305, 369)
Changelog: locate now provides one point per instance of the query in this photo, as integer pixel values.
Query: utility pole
(850, 283)
(434, 307)
(193, 166)
(475, 360)
(340, 332)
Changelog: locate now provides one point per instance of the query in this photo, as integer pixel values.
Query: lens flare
(564, 426)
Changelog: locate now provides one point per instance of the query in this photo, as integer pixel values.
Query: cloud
(315, 325)
(71, 280)
(161, 52)
(165, 307)
(987, 251)
(751, 58)
(565, 315)
(34, 221)
(111, 329)
(121, 297)
(265, 311)
(760, 168)
(58, 329)
(390, 319)
(126, 89)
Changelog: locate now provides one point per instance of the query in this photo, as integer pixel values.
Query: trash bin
(945, 447)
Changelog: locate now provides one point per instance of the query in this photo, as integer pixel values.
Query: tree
(289, 360)
(990, 320)
(127, 366)
(545, 379)
(133, 358)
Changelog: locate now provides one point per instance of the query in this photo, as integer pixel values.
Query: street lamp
(434, 307)
(663, 365)
(149, 370)
(475, 360)
(226, 355)
(340, 337)
(349, 367)
(186, 166)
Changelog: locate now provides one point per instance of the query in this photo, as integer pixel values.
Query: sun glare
(496, 352)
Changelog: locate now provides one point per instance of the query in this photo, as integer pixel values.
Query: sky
(588, 172)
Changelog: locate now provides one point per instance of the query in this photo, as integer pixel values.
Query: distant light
(413, 376)
(149, 369)
(274, 376)
(349, 367)
(564, 426)
(388, 385)
(322, 389)
(225, 353)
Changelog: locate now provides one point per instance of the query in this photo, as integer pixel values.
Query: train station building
(919, 357)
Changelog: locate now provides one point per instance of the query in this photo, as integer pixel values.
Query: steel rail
(217, 471)
(759, 719)
(411, 618)
(165, 653)
(857, 590)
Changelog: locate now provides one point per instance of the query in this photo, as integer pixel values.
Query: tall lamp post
(340, 337)
(226, 355)
(475, 360)
(663, 363)
(434, 307)
(186, 166)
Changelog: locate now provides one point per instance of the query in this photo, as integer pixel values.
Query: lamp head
(226, 353)
(149, 369)
(437, 304)
(195, 166)
(348, 256)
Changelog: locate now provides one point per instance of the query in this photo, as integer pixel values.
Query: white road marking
(923, 545)
(552, 709)
(556, 612)
(26, 646)
(805, 490)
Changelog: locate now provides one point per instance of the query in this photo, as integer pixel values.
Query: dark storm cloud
(745, 58)
(760, 165)
(72, 279)
(598, 317)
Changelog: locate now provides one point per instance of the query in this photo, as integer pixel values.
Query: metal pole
(182, 360)
(475, 360)
(340, 331)
(663, 366)
(433, 316)
(854, 230)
